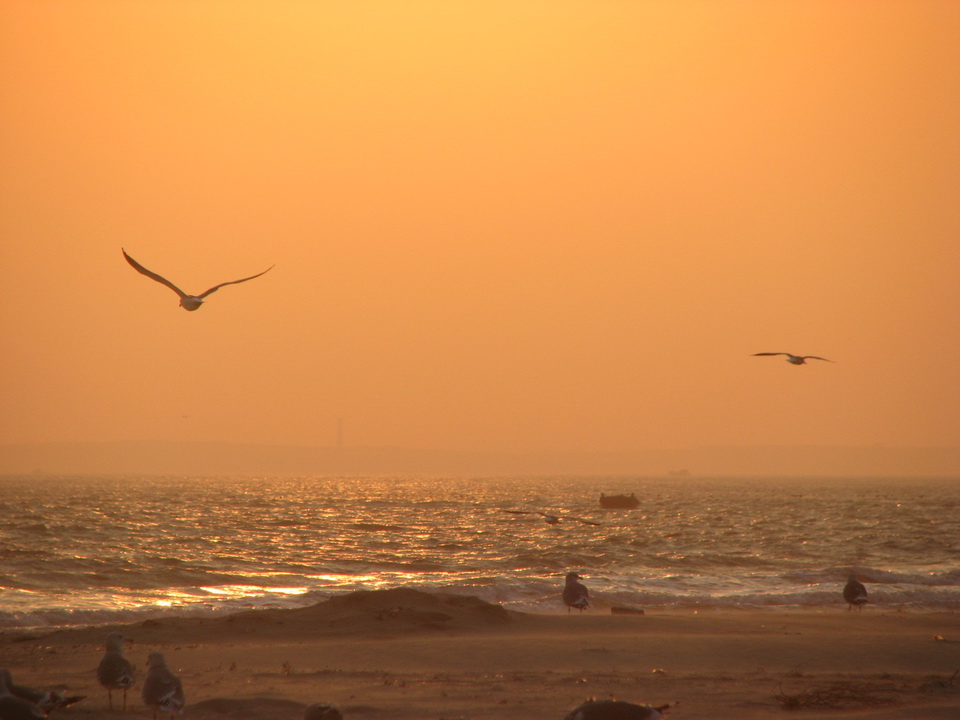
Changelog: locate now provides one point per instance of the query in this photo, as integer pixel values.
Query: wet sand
(406, 655)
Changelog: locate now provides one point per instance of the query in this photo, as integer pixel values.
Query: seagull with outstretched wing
(550, 518)
(187, 302)
(46, 700)
(796, 359)
(17, 708)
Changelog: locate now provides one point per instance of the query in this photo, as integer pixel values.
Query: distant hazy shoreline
(211, 458)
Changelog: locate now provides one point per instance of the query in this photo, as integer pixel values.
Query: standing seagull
(162, 690)
(187, 302)
(575, 594)
(796, 359)
(854, 593)
(114, 671)
(46, 700)
(617, 710)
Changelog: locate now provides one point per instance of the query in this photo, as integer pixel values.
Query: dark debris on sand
(843, 695)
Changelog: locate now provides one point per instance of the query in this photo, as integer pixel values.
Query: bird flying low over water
(187, 302)
(796, 359)
(551, 519)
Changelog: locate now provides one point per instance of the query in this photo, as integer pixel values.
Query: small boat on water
(627, 502)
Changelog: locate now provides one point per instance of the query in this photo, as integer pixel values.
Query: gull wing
(152, 275)
(551, 516)
(756, 354)
(814, 357)
(232, 282)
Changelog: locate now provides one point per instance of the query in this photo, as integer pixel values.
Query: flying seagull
(551, 519)
(575, 594)
(854, 593)
(796, 359)
(187, 302)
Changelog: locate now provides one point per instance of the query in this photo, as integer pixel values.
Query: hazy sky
(496, 225)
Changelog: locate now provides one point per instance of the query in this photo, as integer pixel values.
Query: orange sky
(496, 225)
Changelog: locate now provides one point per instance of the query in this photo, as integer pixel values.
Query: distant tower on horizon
(339, 433)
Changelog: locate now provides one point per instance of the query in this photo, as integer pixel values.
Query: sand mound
(401, 609)
(366, 612)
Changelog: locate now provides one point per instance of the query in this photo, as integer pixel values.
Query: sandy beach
(406, 655)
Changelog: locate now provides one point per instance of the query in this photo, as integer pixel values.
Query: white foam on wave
(533, 595)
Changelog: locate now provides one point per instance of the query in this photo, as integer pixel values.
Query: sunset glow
(508, 226)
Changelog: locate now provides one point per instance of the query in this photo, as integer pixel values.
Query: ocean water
(83, 550)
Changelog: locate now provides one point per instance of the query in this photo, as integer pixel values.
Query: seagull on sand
(46, 700)
(575, 593)
(322, 711)
(617, 710)
(796, 359)
(854, 593)
(187, 302)
(162, 690)
(550, 518)
(16, 708)
(114, 671)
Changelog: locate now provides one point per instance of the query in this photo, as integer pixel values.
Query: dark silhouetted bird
(854, 593)
(46, 700)
(16, 708)
(187, 302)
(795, 359)
(617, 710)
(322, 711)
(114, 671)
(162, 690)
(575, 593)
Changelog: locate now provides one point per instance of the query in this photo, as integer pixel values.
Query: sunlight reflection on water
(87, 547)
